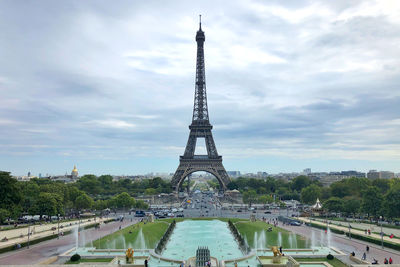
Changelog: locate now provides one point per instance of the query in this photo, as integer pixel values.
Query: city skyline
(110, 88)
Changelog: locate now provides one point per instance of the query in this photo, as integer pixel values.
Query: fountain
(140, 243)
(277, 260)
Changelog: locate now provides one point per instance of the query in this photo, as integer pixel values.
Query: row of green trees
(46, 197)
(353, 195)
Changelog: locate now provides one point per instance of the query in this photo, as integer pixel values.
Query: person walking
(367, 249)
(385, 261)
(390, 260)
(364, 257)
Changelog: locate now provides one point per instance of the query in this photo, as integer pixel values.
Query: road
(41, 251)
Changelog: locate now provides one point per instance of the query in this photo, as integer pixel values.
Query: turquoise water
(214, 234)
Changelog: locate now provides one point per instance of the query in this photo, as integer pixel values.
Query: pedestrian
(367, 249)
(145, 263)
(364, 257)
(353, 254)
(385, 261)
(390, 260)
(280, 249)
(365, 231)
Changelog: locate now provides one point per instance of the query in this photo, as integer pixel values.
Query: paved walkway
(365, 226)
(359, 232)
(345, 244)
(20, 235)
(39, 252)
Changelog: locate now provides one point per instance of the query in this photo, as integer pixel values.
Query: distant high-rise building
(387, 175)
(29, 174)
(307, 171)
(373, 174)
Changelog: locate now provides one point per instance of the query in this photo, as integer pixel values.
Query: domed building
(74, 173)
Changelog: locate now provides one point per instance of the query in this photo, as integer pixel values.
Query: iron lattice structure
(200, 128)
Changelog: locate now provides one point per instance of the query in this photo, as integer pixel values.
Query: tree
(265, 199)
(249, 197)
(372, 201)
(140, 204)
(300, 182)
(30, 191)
(123, 200)
(232, 185)
(49, 204)
(310, 194)
(4, 214)
(382, 184)
(351, 205)
(334, 204)
(391, 203)
(101, 204)
(83, 202)
(90, 184)
(340, 189)
(9, 191)
(150, 191)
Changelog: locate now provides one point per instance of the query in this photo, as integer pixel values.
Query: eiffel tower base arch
(212, 166)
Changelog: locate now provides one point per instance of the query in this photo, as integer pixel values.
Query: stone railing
(242, 244)
(164, 239)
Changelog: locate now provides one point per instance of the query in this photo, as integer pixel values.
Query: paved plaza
(42, 251)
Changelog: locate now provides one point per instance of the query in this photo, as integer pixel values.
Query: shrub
(75, 257)
(329, 256)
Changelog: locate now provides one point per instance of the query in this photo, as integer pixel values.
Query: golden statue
(129, 255)
(277, 254)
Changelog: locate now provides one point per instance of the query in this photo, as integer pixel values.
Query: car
(267, 212)
(139, 213)
(180, 215)
(294, 223)
(239, 210)
(254, 211)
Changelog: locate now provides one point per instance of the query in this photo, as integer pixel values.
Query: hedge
(323, 227)
(360, 237)
(163, 241)
(375, 241)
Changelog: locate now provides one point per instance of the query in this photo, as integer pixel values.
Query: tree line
(53, 198)
(379, 197)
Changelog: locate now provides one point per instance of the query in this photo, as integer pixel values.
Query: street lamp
(349, 231)
(58, 234)
(29, 233)
(380, 217)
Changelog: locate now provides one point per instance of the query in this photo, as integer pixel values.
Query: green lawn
(90, 260)
(289, 240)
(335, 262)
(129, 236)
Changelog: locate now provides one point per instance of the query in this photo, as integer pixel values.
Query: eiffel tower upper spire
(200, 109)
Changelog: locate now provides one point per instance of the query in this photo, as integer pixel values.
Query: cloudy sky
(109, 85)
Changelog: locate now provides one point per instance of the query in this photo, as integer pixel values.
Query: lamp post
(349, 231)
(58, 234)
(29, 233)
(380, 217)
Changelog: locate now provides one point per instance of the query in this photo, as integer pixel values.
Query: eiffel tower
(200, 128)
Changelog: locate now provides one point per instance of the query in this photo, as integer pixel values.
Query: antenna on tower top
(200, 21)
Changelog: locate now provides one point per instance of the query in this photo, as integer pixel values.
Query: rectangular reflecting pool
(214, 234)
